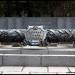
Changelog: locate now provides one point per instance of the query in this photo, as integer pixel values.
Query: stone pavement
(36, 70)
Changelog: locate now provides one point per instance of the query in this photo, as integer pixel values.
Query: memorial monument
(36, 36)
(35, 46)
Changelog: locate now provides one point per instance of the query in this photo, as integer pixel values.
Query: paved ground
(36, 70)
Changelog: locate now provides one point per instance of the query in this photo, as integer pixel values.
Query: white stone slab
(11, 68)
(32, 60)
(10, 51)
(64, 52)
(34, 47)
(15, 73)
(71, 73)
(35, 69)
(21, 59)
(9, 47)
(60, 49)
(72, 69)
(13, 60)
(63, 73)
(58, 60)
(38, 60)
(42, 73)
(24, 51)
(0, 72)
(52, 47)
(58, 69)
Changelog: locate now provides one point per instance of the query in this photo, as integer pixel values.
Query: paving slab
(58, 69)
(65, 73)
(15, 73)
(72, 69)
(11, 68)
(35, 69)
(62, 73)
(42, 73)
(71, 73)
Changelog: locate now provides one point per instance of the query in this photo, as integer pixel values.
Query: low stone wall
(47, 22)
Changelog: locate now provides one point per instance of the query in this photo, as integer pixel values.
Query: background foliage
(37, 8)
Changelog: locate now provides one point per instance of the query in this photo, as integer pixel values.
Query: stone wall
(47, 22)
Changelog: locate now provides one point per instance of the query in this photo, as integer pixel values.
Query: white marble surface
(15, 73)
(72, 69)
(58, 69)
(35, 69)
(0, 72)
(42, 73)
(34, 47)
(11, 68)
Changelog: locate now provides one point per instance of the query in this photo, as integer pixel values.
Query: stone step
(60, 51)
(51, 51)
(36, 60)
